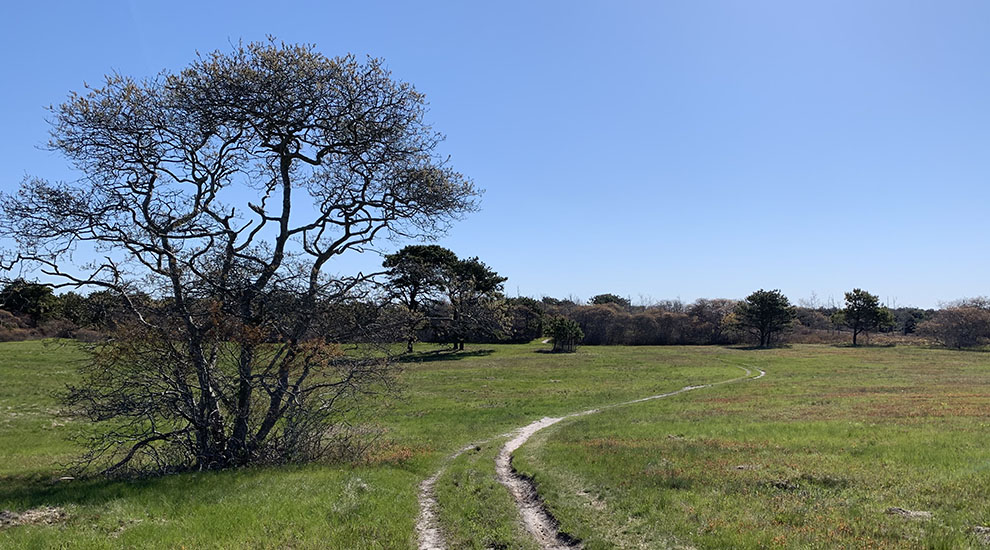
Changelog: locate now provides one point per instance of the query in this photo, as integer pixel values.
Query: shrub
(564, 332)
(958, 327)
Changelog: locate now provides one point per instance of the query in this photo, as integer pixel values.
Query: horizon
(645, 151)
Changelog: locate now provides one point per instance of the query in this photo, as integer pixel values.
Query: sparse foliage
(863, 313)
(963, 324)
(224, 192)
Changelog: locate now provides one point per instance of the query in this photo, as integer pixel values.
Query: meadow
(812, 455)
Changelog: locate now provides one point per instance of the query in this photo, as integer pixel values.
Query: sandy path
(537, 520)
(427, 525)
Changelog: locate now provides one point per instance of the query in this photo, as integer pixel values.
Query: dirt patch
(427, 526)
(982, 533)
(908, 514)
(45, 515)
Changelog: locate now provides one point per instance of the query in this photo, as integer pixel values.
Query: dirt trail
(427, 525)
(536, 518)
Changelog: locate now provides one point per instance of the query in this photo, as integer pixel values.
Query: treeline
(463, 302)
(610, 320)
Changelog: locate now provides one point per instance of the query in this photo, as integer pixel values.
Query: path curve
(538, 521)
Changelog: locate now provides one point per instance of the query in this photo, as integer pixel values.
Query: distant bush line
(32, 311)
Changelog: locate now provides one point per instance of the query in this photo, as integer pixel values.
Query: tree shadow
(442, 355)
(743, 347)
(31, 491)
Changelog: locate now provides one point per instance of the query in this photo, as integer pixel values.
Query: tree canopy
(225, 191)
(417, 273)
(863, 313)
(765, 313)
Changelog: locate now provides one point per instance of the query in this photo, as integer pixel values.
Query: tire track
(537, 520)
(427, 525)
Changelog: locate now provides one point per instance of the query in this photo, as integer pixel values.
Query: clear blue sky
(651, 149)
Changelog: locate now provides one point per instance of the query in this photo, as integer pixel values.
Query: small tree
(863, 313)
(525, 319)
(564, 333)
(764, 314)
(417, 274)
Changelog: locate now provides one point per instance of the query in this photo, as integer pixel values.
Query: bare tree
(224, 192)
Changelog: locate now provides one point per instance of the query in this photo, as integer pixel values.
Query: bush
(57, 328)
(564, 332)
(958, 327)
(89, 336)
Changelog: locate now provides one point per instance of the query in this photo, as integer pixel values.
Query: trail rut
(537, 520)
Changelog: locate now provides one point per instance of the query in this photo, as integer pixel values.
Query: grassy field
(812, 456)
(446, 403)
(829, 440)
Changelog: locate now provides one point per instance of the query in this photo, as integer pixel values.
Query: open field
(813, 456)
(827, 441)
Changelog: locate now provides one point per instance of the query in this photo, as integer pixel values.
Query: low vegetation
(835, 448)
(812, 455)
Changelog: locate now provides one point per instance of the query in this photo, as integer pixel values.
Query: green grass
(809, 457)
(445, 403)
(830, 438)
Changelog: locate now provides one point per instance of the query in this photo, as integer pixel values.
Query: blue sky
(650, 149)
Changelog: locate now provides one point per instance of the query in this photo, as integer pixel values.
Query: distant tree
(525, 319)
(863, 313)
(812, 319)
(910, 326)
(671, 306)
(764, 314)
(417, 273)
(908, 318)
(596, 322)
(71, 306)
(609, 299)
(710, 319)
(565, 333)
(475, 302)
(26, 298)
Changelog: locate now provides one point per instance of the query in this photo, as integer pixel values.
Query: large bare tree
(214, 200)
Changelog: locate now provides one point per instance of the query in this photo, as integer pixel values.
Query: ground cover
(446, 402)
(835, 448)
